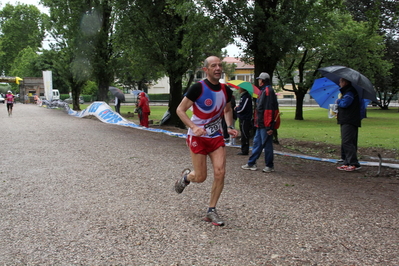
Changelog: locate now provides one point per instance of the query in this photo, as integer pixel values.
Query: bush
(88, 98)
(159, 97)
(64, 96)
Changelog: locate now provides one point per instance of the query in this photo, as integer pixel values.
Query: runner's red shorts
(202, 145)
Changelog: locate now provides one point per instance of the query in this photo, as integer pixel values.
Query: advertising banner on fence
(104, 113)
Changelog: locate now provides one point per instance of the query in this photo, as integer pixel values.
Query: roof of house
(238, 62)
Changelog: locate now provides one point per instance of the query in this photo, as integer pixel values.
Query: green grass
(380, 128)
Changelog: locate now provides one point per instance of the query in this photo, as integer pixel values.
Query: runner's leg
(218, 159)
(198, 175)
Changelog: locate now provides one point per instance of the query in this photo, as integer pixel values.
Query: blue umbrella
(325, 92)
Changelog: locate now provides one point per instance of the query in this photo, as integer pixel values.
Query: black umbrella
(362, 84)
(117, 93)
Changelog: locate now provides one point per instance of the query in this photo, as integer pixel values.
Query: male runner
(210, 101)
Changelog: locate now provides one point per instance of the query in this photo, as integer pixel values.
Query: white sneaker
(268, 169)
(249, 167)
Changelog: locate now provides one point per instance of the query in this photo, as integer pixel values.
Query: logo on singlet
(208, 102)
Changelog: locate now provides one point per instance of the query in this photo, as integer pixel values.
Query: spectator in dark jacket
(266, 121)
(244, 114)
(228, 138)
(349, 118)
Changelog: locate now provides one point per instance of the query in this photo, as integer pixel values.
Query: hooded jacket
(244, 109)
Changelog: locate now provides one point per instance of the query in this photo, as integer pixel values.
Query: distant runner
(10, 102)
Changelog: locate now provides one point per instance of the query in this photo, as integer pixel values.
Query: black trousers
(349, 137)
(118, 107)
(245, 128)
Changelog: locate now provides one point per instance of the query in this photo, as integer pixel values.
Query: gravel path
(78, 191)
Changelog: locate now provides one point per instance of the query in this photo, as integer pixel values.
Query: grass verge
(378, 130)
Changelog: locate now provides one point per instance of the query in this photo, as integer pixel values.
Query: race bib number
(213, 127)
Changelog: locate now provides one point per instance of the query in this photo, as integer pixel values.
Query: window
(245, 77)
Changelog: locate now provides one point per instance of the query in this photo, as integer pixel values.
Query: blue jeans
(262, 141)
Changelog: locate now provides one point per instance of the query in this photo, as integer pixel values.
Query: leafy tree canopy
(21, 26)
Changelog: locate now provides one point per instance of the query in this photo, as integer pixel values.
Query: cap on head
(142, 94)
(263, 76)
(8, 91)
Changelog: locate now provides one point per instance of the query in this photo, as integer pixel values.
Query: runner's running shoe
(181, 184)
(249, 167)
(352, 168)
(214, 218)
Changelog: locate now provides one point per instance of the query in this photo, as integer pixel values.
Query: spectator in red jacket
(143, 109)
(267, 120)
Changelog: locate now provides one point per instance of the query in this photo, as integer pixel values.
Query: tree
(83, 32)
(343, 42)
(170, 36)
(269, 29)
(298, 67)
(53, 60)
(132, 70)
(24, 64)
(388, 85)
(277, 30)
(21, 26)
(383, 16)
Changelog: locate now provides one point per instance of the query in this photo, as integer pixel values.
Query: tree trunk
(264, 64)
(103, 88)
(174, 100)
(299, 94)
(76, 90)
(103, 72)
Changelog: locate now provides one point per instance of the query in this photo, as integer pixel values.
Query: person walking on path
(266, 121)
(117, 105)
(349, 118)
(210, 101)
(144, 109)
(10, 102)
(244, 113)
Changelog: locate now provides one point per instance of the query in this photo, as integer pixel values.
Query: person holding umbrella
(119, 97)
(117, 105)
(354, 87)
(349, 118)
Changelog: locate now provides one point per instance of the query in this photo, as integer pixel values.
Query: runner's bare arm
(181, 111)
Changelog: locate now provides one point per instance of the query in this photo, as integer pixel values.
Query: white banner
(104, 113)
(48, 84)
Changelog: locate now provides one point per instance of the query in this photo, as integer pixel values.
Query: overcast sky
(28, 2)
